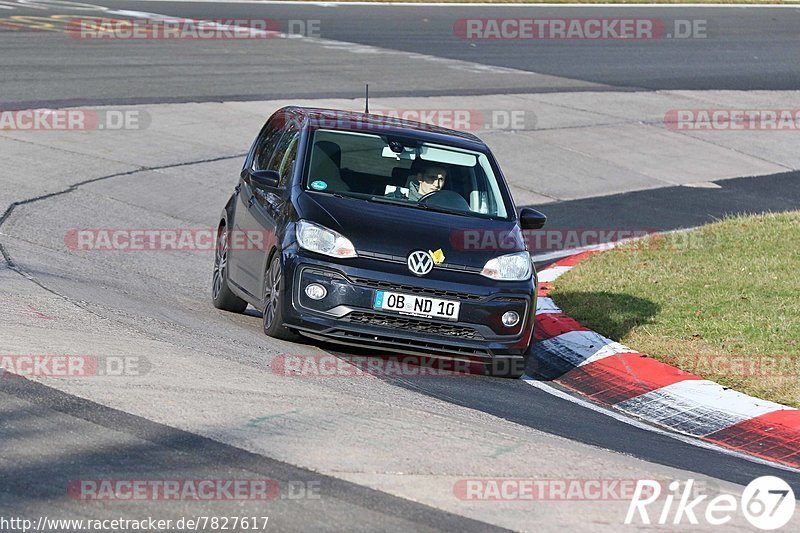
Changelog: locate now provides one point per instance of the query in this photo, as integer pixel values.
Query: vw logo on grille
(420, 263)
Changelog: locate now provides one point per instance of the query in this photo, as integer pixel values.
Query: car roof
(336, 119)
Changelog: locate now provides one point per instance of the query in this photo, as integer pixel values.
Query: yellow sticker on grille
(437, 256)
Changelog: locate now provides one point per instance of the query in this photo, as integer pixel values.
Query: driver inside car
(428, 180)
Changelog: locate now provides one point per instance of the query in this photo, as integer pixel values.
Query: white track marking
(626, 419)
(545, 305)
(552, 273)
(579, 348)
(697, 407)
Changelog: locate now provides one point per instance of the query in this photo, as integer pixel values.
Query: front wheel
(273, 302)
(221, 295)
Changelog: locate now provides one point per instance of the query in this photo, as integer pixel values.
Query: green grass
(722, 301)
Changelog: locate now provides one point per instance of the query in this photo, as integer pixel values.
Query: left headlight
(322, 240)
(511, 267)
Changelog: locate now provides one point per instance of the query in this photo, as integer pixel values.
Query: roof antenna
(366, 102)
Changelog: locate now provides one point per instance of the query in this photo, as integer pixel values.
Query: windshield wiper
(393, 201)
(438, 209)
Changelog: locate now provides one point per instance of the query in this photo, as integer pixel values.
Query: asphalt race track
(350, 453)
(743, 49)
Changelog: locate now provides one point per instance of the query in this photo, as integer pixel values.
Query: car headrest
(400, 176)
(332, 150)
(325, 169)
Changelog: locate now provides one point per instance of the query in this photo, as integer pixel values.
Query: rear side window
(283, 147)
(265, 146)
(286, 163)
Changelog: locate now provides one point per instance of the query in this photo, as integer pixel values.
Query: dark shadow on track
(678, 207)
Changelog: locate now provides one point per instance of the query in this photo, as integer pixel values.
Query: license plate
(409, 304)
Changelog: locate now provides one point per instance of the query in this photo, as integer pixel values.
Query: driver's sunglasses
(430, 178)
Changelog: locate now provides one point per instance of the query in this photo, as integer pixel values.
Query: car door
(268, 208)
(246, 244)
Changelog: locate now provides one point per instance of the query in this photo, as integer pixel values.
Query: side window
(282, 147)
(287, 163)
(266, 146)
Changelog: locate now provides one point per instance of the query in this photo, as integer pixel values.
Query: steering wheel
(445, 198)
(424, 197)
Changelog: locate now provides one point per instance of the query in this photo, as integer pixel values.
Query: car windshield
(404, 171)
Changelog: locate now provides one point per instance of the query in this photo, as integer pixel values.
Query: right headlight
(511, 267)
(322, 240)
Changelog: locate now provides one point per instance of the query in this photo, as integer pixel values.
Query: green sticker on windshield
(319, 185)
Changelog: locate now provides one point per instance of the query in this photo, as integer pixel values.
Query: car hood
(397, 230)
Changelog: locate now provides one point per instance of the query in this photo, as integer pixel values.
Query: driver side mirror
(531, 219)
(262, 179)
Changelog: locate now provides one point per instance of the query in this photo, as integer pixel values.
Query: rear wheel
(273, 298)
(221, 294)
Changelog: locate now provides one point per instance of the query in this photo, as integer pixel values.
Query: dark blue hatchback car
(368, 231)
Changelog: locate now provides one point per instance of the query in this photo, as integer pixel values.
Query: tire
(506, 367)
(273, 298)
(221, 295)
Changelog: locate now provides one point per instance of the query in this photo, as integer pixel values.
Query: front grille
(411, 324)
(402, 260)
(416, 290)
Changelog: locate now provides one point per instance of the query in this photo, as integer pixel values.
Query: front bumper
(346, 314)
